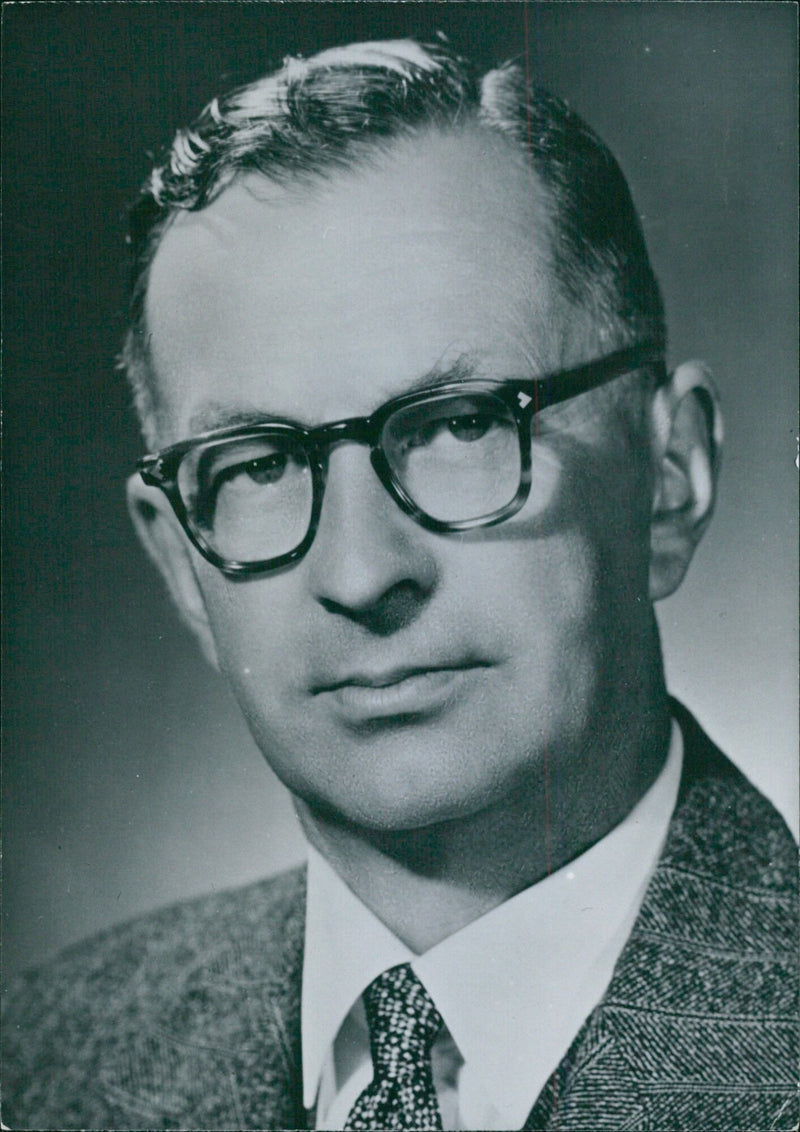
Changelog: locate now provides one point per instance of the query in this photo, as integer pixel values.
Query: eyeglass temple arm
(552, 390)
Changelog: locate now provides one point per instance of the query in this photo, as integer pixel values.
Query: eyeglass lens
(249, 498)
(456, 456)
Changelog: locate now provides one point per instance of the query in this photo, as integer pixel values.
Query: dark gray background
(129, 778)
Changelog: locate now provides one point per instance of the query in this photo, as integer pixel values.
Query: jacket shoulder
(92, 1038)
(698, 1028)
(724, 828)
(700, 1019)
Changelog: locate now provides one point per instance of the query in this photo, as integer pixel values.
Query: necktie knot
(403, 1021)
(403, 1024)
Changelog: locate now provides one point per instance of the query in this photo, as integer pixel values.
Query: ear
(687, 437)
(168, 547)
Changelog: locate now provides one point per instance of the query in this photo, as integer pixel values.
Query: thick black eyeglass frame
(524, 397)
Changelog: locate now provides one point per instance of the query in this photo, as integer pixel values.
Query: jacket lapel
(216, 1042)
(689, 1031)
(269, 1074)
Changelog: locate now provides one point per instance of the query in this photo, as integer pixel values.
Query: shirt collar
(515, 985)
(346, 947)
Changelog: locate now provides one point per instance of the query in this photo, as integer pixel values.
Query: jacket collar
(680, 1039)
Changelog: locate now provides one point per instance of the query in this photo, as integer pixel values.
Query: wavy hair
(333, 110)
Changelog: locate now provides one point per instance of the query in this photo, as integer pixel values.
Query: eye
(261, 471)
(264, 470)
(471, 427)
(465, 427)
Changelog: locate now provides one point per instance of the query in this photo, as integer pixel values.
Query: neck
(425, 884)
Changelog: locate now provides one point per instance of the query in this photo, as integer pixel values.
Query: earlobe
(171, 552)
(687, 440)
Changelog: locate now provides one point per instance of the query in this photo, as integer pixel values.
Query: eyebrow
(214, 414)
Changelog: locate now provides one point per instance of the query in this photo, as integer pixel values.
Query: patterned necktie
(403, 1024)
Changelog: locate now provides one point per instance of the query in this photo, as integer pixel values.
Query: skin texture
(438, 796)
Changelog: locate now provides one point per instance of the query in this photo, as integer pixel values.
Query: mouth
(367, 696)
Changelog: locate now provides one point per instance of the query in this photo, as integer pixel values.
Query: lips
(365, 696)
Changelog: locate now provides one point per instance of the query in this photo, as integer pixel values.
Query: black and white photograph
(400, 566)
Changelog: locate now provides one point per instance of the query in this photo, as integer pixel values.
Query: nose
(369, 562)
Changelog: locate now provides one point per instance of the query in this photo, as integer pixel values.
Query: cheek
(574, 592)
(256, 634)
(542, 597)
(562, 624)
(261, 648)
(604, 500)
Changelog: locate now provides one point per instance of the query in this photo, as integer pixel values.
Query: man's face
(395, 676)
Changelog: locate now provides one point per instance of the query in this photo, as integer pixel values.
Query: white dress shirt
(514, 987)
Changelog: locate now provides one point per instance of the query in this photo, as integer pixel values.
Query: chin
(408, 798)
(405, 814)
(409, 775)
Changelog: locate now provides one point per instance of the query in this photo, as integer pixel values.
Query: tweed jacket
(189, 1018)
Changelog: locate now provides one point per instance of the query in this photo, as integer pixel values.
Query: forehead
(317, 302)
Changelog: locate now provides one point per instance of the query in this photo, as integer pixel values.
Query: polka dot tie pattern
(403, 1024)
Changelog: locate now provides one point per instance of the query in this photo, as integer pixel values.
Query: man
(418, 474)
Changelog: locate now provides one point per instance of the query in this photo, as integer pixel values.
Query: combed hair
(332, 112)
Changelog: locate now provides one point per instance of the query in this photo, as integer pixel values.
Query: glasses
(454, 457)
